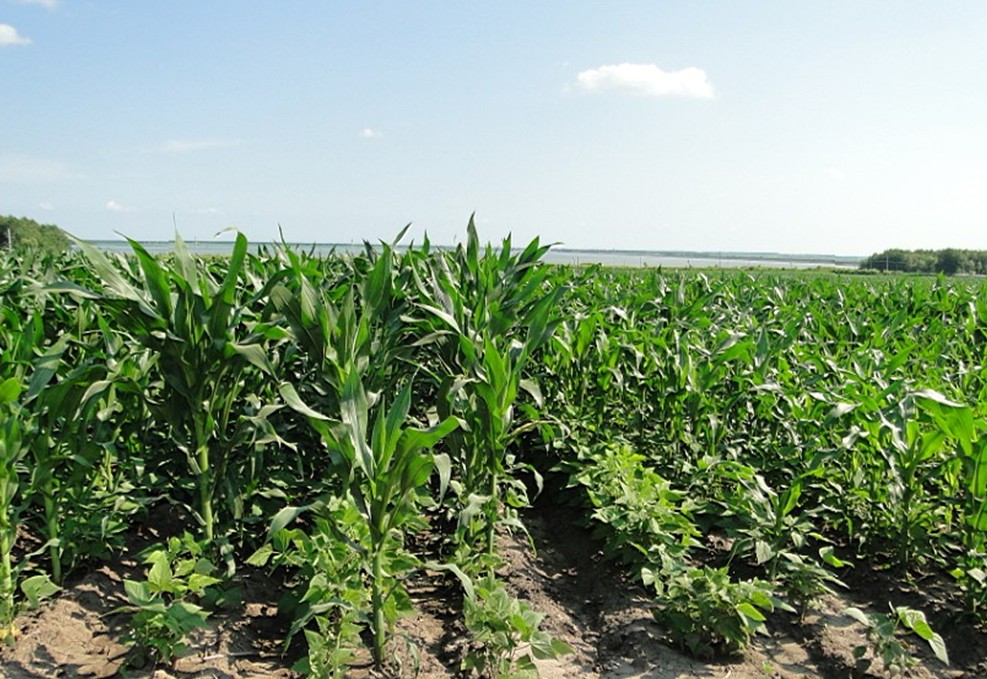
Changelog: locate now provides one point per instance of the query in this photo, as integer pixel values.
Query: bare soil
(588, 603)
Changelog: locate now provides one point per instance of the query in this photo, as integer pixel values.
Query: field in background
(557, 255)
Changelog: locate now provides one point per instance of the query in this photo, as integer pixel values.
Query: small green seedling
(882, 635)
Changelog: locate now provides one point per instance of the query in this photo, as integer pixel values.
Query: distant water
(654, 259)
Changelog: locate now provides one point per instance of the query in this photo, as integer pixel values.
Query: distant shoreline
(557, 255)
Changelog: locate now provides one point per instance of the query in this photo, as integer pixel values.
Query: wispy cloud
(370, 133)
(210, 211)
(647, 79)
(47, 4)
(46, 206)
(10, 36)
(20, 168)
(114, 206)
(193, 145)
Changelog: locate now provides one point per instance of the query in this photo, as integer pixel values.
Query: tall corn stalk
(382, 466)
(206, 350)
(486, 316)
(19, 338)
(11, 452)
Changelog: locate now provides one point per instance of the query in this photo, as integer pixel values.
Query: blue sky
(842, 127)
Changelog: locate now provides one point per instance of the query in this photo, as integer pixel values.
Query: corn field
(737, 442)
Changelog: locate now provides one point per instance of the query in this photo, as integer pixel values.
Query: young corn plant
(968, 435)
(916, 461)
(64, 400)
(383, 476)
(207, 354)
(486, 318)
(12, 451)
(382, 463)
(17, 427)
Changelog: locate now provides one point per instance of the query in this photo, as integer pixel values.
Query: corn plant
(382, 477)
(197, 330)
(382, 474)
(11, 452)
(15, 361)
(64, 411)
(914, 459)
(487, 316)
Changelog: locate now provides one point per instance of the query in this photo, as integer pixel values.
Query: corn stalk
(206, 356)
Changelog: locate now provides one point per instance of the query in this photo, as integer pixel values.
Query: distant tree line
(949, 261)
(22, 233)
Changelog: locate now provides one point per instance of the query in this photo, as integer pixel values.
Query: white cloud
(211, 211)
(369, 133)
(46, 206)
(27, 169)
(192, 145)
(10, 36)
(47, 4)
(114, 206)
(647, 79)
(836, 173)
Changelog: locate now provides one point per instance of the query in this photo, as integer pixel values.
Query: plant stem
(377, 603)
(6, 579)
(54, 550)
(205, 494)
(492, 511)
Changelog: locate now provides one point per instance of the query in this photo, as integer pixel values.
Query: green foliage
(358, 420)
(486, 316)
(329, 562)
(883, 635)
(768, 529)
(706, 612)
(638, 514)
(208, 351)
(792, 412)
(25, 234)
(11, 452)
(970, 574)
(163, 612)
(949, 261)
(506, 634)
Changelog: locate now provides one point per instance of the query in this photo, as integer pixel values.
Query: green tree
(950, 261)
(25, 233)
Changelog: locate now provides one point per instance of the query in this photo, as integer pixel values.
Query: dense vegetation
(949, 261)
(351, 422)
(26, 234)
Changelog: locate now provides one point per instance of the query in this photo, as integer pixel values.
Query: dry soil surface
(587, 601)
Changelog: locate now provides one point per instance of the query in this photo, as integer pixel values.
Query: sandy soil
(588, 603)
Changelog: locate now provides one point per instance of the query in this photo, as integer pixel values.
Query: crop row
(802, 423)
(353, 422)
